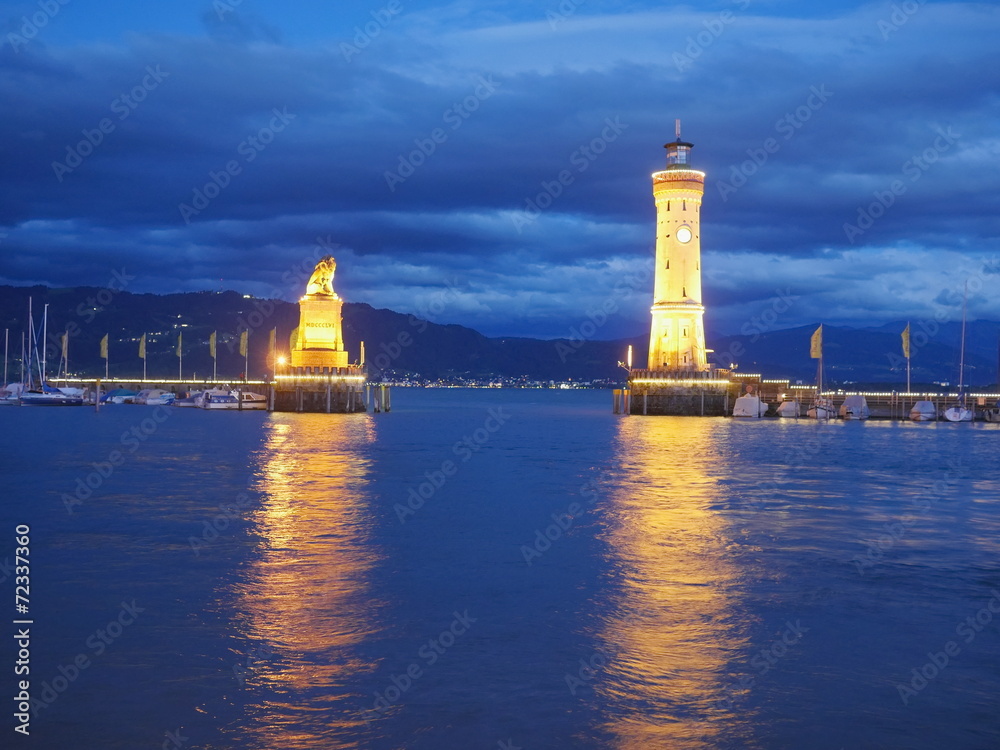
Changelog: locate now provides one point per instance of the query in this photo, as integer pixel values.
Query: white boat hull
(822, 409)
(29, 398)
(924, 411)
(789, 409)
(958, 414)
(749, 407)
(855, 407)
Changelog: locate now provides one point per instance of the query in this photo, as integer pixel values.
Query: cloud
(415, 93)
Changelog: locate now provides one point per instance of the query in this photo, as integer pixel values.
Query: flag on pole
(273, 341)
(104, 347)
(243, 343)
(906, 341)
(65, 346)
(179, 335)
(142, 347)
(211, 344)
(816, 343)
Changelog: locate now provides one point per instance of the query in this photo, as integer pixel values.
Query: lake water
(501, 569)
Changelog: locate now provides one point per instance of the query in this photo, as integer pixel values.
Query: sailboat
(822, 408)
(958, 412)
(8, 392)
(43, 394)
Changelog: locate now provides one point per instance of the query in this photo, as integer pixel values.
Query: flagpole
(106, 336)
(907, 359)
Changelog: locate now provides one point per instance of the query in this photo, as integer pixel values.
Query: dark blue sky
(852, 153)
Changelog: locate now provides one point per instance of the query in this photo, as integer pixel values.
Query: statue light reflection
(306, 598)
(673, 628)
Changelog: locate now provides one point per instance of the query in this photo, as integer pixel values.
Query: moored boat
(189, 401)
(49, 396)
(250, 400)
(789, 409)
(923, 411)
(749, 406)
(855, 407)
(154, 397)
(217, 398)
(822, 408)
(118, 396)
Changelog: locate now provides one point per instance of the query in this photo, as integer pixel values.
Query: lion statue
(321, 281)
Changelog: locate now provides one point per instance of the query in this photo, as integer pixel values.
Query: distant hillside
(870, 355)
(394, 342)
(401, 344)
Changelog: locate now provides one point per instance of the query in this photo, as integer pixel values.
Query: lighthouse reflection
(305, 601)
(673, 627)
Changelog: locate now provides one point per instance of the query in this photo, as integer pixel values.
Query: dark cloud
(422, 152)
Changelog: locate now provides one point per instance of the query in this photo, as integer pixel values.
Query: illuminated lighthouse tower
(677, 334)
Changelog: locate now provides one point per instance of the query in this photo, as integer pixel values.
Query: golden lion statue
(321, 281)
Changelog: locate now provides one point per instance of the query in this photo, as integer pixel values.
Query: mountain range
(398, 345)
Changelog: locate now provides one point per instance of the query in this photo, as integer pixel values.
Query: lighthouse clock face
(684, 235)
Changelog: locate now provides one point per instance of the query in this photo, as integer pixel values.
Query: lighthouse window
(684, 205)
(668, 205)
(668, 263)
(685, 334)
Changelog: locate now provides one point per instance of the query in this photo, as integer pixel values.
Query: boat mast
(6, 336)
(45, 333)
(32, 345)
(961, 359)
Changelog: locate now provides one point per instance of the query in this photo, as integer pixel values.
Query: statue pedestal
(320, 341)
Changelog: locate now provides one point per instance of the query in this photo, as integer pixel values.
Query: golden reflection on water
(306, 601)
(674, 627)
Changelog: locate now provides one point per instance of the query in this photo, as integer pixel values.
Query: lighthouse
(677, 333)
